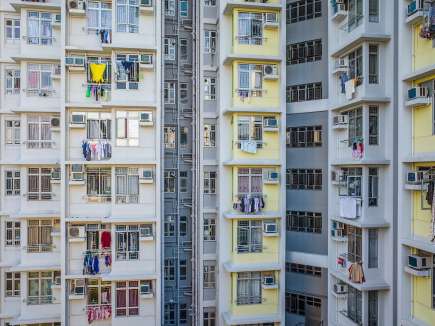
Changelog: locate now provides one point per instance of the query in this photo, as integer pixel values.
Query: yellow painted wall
(269, 303)
(271, 96)
(421, 221)
(424, 53)
(271, 139)
(271, 41)
(270, 253)
(270, 191)
(422, 301)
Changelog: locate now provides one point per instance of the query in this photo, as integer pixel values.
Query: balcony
(417, 97)
(415, 12)
(36, 4)
(356, 151)
(230, 5)
(339, 12)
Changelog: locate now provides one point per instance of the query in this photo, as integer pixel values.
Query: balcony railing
(249, 248)
(251, 40)
(39, 196)
(127, 255)
(41, 247)
(46, 92)
(415, 6)
(244, 93)
(98, 198)
(249, 300)
(39, 144)
(352, 23)
(38, 300)
(127, 199)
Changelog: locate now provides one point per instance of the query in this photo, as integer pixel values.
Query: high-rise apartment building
(80, 162)
(416, 116)
(362, 163)
(307, 162)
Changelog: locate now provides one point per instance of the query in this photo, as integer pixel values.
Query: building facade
(307, 163)
(84, 103)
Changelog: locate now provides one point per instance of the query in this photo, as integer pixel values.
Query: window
(209, 317)
(303, 10)
(184, 134)
(304, 179)
(39, 81)
(39, 185)
(13, 285)
(355, 59)
(250, 80)
(248, 288)
(308, 136)
(169, 137)
(355, 14)
(98, 125)
(249, 181)
(373, 248)
(12, 132)
(210, 41)
(209, 89)
(183, 269)
(169, 92)
(184, 8)
(169, 227)
(184, 46)
(169, 311)
(209, 226)
(39, 238)
(98, 292)
(184, 93)
(309, 222)
(12, 182)
(305, 269)
(39, 287)
(373, 125)
(209, 135)
(209, 182)
(39, 28)
(250, 128)
(169, 49)
(299, 303)
(13, 81)
(127, 128)
(373, 186)
(304, 92)
(169, 177)
(127, 185)
(209, 274)
(183, 181)
(12, 29)
(127, 242)
(170, 7)
(209, 3)
(355, 125)
(99, 15)
(308, 51)
(373, 64)
(183, 313)
(250, 28)
(353, 182)
(249, 236)
(127, 298)
(354, 305)
(127, 15)
(169, 269)
(183, 226)
(374, 11)
(99, 183)
(354, 244)
(12, 233)
(39, 132)
(127, 75)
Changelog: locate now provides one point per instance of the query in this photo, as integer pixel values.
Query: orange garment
(356, 273)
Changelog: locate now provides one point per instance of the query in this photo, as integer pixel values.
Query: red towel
(106, 239)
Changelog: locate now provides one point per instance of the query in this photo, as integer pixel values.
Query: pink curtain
(121, 302)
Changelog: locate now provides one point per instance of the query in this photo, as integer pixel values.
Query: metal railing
(249, 300)
(38, 300)
(249, 248)
(40, 247)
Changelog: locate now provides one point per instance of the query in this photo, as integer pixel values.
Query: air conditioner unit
(146, 3)
(146, 59)
(337, 233)
(55, 174)
(417, 92)
(419, 262)
(78, 119)
(77, 173)
(271, 176)
(145, 287)
(414, 177)
(76, 232)
(75, 61)
(270, 228)
(270, 19)
(269, 280)
(78, 287)
(270, 124)
(342, 119)
(270, 71)
(147, 175)
(55, 122)
(57, 280)
(76, 4)
(146, 231)
(57, 18)
(146, 119)
(340, 288)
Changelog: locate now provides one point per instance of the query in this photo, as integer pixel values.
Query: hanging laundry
(107, 260)
(96, 150)
(105, 36)
(343, 79)
(356, 273)
(248, 146)
(106, 239)
(349, 86)
(250, 204)
(97, 72)
(348, 207)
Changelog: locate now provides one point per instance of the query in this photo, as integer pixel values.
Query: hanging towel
(348, 207)
(349, 88)
(97, 72)
(356, 273)
(106, 239)
(248, 146)
(95, 265)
